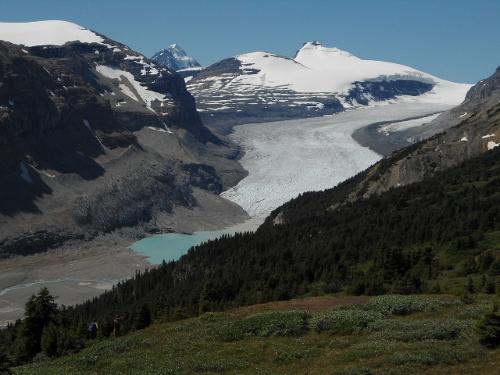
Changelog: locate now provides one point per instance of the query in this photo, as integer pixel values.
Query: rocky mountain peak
(175, 58)
(488, 88)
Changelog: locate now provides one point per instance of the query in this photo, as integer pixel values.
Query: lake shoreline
(72, 274)
(171, 246)
(76, 272)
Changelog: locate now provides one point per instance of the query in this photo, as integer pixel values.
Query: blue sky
(453, 39)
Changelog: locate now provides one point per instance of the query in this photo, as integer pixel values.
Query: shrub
(344, 321)
(471, 288)
(436, 353)
(293, 354)
(354, 371)
(404, 304)
(489, 329)
(211, 365)
(490, 286)
(288, 323)
(467, 298)
(340, 343)
(373, 347)
(419, 330)
(472, 312)
(210, 316)
(495, 268)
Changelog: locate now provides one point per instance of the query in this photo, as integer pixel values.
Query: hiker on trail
(93, 327)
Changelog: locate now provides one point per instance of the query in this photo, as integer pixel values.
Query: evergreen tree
(143, 317)
(489, 286)
(68, 341)
(495, 268)
(4, 363)
(204, 303)
(485, 261)
(489, 329)
(470, 285)
(49, 340)
(482, 283)
(40, 311)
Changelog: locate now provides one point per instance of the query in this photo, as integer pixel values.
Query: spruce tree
(470, 285)
(40, 311)
(489, 329)
(49, 340)
(4, 363)
(489, 286)
(143, 317)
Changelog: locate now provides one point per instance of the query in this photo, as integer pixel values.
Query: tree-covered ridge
(404, 240)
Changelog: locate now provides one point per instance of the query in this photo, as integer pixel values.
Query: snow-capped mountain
(53, 32)
(175, 58)
(93, 137)
(262, 86)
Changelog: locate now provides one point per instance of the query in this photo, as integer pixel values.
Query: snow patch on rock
(145, 95)
(491, 145)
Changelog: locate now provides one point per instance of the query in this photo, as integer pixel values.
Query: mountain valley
(308, 187)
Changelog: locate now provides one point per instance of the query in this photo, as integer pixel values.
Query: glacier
(286, 158)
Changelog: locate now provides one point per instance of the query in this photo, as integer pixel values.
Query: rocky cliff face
(95, 137)
(472, 128)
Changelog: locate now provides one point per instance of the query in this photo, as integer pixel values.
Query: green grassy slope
(319, 335)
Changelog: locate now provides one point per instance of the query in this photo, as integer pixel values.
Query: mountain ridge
(318, 81)
(90, 127)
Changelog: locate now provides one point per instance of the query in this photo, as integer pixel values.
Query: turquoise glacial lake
(172, 246)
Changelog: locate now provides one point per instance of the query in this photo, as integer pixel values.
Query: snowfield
(318, 69)
(286, 158)
(317, 81)
(52, 32)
